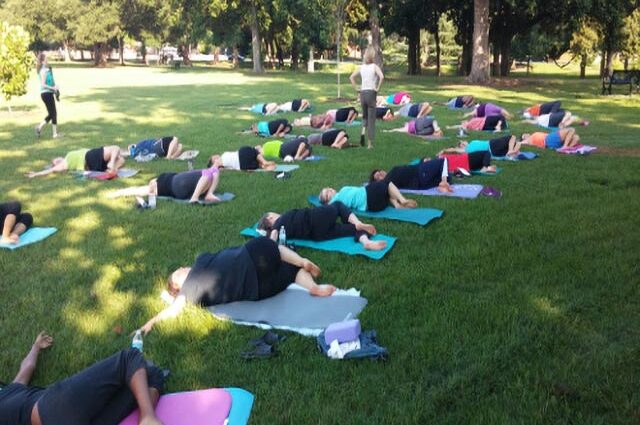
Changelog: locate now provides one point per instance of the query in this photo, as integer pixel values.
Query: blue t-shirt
(478, 146)
(263, 128)
(48, 80)
(353, 197)
(257, 108)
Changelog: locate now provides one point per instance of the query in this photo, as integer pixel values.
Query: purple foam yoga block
(346, 331)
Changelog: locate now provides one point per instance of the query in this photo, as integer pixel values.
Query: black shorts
(295, 104)
(165, 142)
(550, 107)
(274, 275)
(414, 110)
(342, 114)
(248, 158)
(290, 147)
(329, 137)
(491, 122)
(377, 195)
(164, 184)
(430, 173)
(555, 118)
(273, 125)
(499, 146)
(381, 112)
(480, 159)
(94, 160)
(183, 184)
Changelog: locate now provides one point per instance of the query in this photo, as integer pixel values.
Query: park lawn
(519, 310)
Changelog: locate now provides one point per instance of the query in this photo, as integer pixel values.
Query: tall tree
(137, 16)
(374, 26)
(406, 18)
(256, 40)
(97, 24)
(480, 62)
(584, 43)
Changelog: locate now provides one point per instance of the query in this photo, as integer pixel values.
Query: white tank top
(369, 77)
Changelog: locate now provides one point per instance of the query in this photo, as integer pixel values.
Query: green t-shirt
(271, 149)
(75, 159)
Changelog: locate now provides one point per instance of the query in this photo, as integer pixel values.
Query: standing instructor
(372, 77)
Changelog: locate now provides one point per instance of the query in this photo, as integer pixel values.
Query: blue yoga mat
(32, 235)
(353, 123)
(522, 156)
(241, 404)
(315, 158)
(344, 245)
(465, 191)
(280, 168)
(420, 216)
(224, 197)
(482, 173)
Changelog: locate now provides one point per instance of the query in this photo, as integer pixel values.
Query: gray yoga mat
(294, 309)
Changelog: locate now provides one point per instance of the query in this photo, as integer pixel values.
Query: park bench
(619, 77)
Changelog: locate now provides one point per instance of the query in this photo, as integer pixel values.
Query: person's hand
(30, 174)
(146, 328)
(43, 341)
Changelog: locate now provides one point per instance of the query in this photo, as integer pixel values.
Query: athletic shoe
(38, 131)
(463, 171)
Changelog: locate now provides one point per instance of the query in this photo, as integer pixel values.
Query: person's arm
(172, 311)
(451, 150)
(380, 77)
(58, 168)
(327, 123)
(264, 164)
(28, 365)
(352, 78)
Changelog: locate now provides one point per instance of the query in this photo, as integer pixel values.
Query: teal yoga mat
(224, 197)
(32, 235)
(280, 168)
(344, 245)
(420, 216)
(482, 173)
(241, 404)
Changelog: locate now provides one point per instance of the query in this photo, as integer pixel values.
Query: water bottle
(152, 201)
(190, 164)
(282, 236)
(136, 342)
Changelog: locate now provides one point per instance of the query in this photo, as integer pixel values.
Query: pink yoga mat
(204, 407)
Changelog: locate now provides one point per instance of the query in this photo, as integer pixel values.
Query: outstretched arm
(172, 311)
(28, 365)
(451, 150)
(58, 168)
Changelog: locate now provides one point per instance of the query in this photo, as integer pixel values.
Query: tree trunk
(311, 64)
(280, 55)
(626, 63)
(505, 56)
(236, 63)
(374, 26)
(99, 55)
(495, 65)
(295, 55)
(480, 62)
(528, 64)
(414, 51)
(185, 50)
(603, 60)
(256, 41)
(609, 61)
(121, 49)
(436, 35)
(82, 54)
(583, 66)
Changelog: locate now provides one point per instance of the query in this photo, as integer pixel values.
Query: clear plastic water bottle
(152, 201)
(282, 236)
(136, 342)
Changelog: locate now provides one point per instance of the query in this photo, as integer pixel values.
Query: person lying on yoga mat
(166, 147)
(373, 197)
(424, 175)
(291, 150)
(399, 98)
(458, 102)
(277, 128)
(14, 222)
(564, 138)
(320, 224)
(296, 105)
(415, 110)
(333, 138)
(326, 120)
(498, 147)
(488, 110)
(384, 113)
(245, 158)
(423, 126)
(106, 158)
(256, 270)
(491, 123)
(103, 393)
(541, 109)
(559, 119)
(191, 185)
(474, 161)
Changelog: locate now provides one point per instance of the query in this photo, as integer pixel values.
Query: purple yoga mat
(466, 191)
(204, 407)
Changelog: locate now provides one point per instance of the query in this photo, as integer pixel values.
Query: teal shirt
(263, 128)
(477, 146)
(48, 80)
(353, 197)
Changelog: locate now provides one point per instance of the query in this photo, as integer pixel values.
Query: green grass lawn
(522, 310)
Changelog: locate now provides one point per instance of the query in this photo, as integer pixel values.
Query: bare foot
(311, 268)
(491, 169)
(211, 198)
(322, 290)
(150, 421)
(14, 238)
(369, 228)
(409, 203)
(375, 245)
(6, 240)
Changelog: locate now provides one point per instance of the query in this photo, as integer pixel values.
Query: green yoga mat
(224, 197)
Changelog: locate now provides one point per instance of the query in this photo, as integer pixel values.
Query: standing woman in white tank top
(371, 76)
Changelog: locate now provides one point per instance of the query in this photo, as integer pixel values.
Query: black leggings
(377, 195)
(50, 103)
(274, 275)
(15, 208)
(98, 395)
(479, 160)
(500, 146)
(326, 227)
(492, 121)
(550, 107)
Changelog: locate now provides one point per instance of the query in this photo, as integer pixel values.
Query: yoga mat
(465, 191)
(344, 245)
(482, 173)
(420, 216)
(293, 309)
(32, 235)
(352, 124)
(241, 404)
(315, 158)
(578, 150)
(224, 197)
(188, 155)
(123, 173)
(204, 407)
(281, 168)
(522, 156)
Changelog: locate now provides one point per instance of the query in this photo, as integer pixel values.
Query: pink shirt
(210, 172)
(474, 124)
(332, 113)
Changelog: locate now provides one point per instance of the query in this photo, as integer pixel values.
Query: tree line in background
(486, 36)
